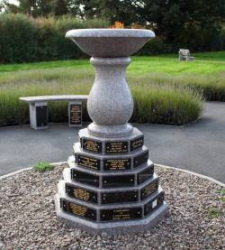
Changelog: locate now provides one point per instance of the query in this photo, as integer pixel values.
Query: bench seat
(54, 98)
(38, 107)
(184, 54)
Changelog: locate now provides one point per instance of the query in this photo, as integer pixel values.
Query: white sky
(11, 1)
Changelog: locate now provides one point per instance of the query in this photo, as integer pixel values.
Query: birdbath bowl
(110, 42)
(110, 185)
(110, 104)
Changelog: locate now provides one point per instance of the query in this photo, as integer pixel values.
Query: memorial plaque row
(111, 164)
(112, 181)
(106, 198)
(107, 181)
(110, 197)
(112, 147)
(106, 215)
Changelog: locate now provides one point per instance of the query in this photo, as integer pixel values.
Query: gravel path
(28, 220)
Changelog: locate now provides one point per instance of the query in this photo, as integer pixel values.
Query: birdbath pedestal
(110, 185)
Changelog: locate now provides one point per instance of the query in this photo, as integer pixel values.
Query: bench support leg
(38, 115)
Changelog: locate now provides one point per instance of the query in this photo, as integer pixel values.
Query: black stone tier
(110, 180)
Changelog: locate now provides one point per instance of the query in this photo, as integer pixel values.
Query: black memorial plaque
(121, 214)
(88, 162)
(137, 143)
(116, 147)
(81, 193)
(42, 116)
(141, 159)
(152, 205)
(81, 142)
(117, 164)
(146, 174)
(149, 189)
(92, 145)
(84, 178)
(118, 197)
(118, 181)
(78, 210)
(75, 114)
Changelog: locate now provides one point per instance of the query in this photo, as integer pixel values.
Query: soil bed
(28, 221)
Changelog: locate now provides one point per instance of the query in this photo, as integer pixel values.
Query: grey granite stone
(110, 160)
(110, 104)
(112, 227)
(110, 42)
(85, 133)
(62, 194)
(67, 179)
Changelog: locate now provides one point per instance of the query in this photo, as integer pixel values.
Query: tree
(60, 8)
(34, 8)
(113, 10)
(185, 23)
(191, 23)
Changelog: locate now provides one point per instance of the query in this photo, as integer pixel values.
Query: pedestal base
(110, 132)
(113, 227)
(110, 185)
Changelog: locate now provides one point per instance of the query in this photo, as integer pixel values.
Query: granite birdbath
(110, 185)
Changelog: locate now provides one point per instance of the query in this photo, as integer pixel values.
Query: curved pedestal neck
(110, 104)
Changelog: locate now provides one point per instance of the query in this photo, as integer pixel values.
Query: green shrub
(211, 87)
(156, 46)
(24, 39)
(153, 103)
(17, 39)
(43, 166)
(165, 104)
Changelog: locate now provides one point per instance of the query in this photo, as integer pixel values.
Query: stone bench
(184, 54)
(38, 106)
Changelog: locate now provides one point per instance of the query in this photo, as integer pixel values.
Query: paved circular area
(198, 147)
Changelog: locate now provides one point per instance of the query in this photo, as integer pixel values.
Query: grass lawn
(164, 89)
(204, 63)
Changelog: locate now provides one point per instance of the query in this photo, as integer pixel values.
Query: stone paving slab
(198, 147)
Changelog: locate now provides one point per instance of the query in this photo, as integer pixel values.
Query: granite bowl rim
(110, 33)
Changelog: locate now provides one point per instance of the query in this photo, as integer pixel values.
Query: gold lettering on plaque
(88, 162)
(91, 145)
(120, 164)
(75, 113)
(150, 189)
(78, 210)
(138, 143)
(81, 194)
(122, 214)
(117, 147)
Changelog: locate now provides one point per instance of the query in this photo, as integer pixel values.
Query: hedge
(25, 39)
(154, 103)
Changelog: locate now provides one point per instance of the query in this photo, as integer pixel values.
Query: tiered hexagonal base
(110, 186)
